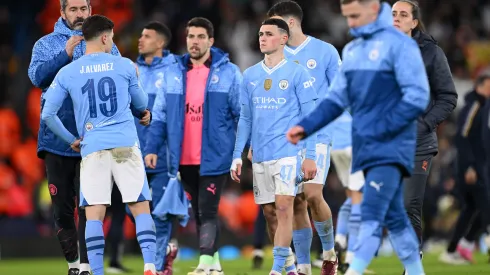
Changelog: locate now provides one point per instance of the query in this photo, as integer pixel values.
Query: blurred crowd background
(462, 29)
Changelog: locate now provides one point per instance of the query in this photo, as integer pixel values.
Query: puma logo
(212, 188)
(376, 186)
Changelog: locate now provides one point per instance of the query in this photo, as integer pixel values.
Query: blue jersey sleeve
(139, 98)
(54, 98)
(334, 63)
(307, 96)
(158, 128)
(329, 108)
(412, 78)
(245, 121)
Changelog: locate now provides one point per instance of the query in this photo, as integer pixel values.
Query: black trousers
(205, 192)
(474, 217)
(64, 187)
(414, 192)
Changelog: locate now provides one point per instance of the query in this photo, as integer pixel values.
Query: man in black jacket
(471, 184)
(443, 98)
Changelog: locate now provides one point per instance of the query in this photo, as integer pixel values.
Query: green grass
(382, 266)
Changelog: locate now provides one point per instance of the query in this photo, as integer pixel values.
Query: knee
(370, 211)
(300, 204)
(315, 199)
(284, 210)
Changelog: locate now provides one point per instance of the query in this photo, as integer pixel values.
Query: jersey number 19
(105, 82)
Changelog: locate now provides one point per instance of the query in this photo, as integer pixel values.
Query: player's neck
(91, 48)
(271, 60)
(149, 57)
(201, 60)
(297, 38)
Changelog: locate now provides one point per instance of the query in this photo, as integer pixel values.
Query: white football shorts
(124, 166)
(322, 165)
(274, 177)
(342, 159)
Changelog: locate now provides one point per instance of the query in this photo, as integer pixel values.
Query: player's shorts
(322, 165)
(342, 159)
(124, 166)
(274, 177)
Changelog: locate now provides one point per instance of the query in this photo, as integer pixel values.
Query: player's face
(271, 39)
(75, 12)
(150, 42)
(198, 42)
(485, 88)
(358, 14)
(107, 40)
(403, 17)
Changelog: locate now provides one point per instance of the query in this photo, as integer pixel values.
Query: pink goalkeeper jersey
(197, 77)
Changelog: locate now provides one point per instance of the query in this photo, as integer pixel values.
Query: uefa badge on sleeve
(267, 84)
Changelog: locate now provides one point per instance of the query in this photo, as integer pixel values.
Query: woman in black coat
(443, 98)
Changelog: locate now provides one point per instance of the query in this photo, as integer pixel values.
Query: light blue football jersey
(102, 87)
(275, 98)
(322, 61)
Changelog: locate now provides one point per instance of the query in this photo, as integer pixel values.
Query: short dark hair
(281, 24)
(482, 77)
(286, 8)
(64, 4)
(201, 22)
(95, 25)
(161, 29)
(416, 13)
(345, 2)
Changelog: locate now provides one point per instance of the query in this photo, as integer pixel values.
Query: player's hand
(236, 169)
(145, 120)
(295, 134)
(151, 161)
(470, 176)
(76, 145)
(309, 169)
(72, 43)
(249, 155)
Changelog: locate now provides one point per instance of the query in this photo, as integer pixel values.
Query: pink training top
(197, 77)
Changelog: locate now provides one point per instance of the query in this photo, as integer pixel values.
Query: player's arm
(139, 98)
(44, 65)
(327, 110)
(334, 62)
(54, 98)
(412, 79)
(307, 96)
(243, 132)
(234, 94)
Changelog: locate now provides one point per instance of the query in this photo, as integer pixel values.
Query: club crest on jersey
(374, 54)
(214, 79)
(283, 84)
(89, 126)
(267, 84)
(311, 64)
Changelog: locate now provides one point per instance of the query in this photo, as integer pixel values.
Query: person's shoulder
(47, 40)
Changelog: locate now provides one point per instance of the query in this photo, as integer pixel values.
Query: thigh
(60, 176)
(190, 180)
(396, 211)
(96, 179)
(284, 172)
(382, 183)
(414, 187)
(322, 164)
(129, 174)
(342, 161)
(263, 185)
(158, 182)
(210, 188)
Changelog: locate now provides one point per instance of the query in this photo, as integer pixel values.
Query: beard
(76, 24)
(198, 55)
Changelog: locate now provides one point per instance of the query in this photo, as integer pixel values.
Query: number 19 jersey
(102, 87)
